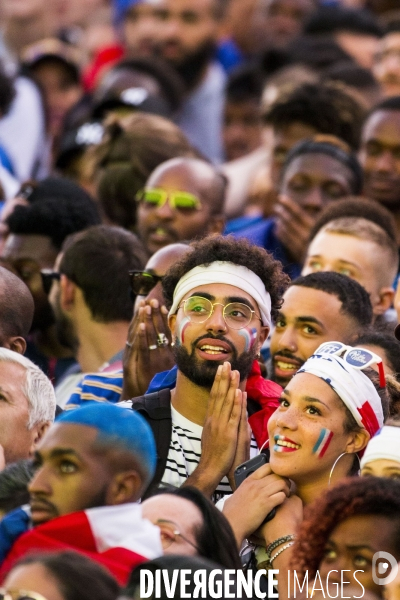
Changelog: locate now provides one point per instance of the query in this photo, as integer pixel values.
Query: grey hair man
(27, 406)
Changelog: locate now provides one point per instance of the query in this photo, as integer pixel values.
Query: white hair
(37, 388)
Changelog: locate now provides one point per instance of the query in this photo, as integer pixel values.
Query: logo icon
(384, 564)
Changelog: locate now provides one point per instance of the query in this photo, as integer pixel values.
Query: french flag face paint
(249, 335)
(323, 442)
(182, 328)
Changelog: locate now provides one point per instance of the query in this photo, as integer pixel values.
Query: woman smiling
(327, 414)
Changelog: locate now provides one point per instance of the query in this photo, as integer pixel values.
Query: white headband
(352, 386)
(386, 445)
(231, 274)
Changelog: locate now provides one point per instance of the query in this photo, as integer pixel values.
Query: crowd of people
(199, 296)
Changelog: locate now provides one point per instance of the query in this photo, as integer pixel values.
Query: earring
(337, 460)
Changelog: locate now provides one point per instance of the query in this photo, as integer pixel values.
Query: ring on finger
(162, 340)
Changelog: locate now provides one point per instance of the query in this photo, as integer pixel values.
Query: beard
(192, 65)
(64, 328)
(202, 373)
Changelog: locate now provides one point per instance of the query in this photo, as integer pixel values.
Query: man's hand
(243, 446)
(147, 351)
(293, 226)
(220, 432)
(253, 501)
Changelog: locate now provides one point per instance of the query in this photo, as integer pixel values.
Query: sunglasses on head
(19, 595)
(157, 197)
(48, 276)
(142, 282)
(358, 358)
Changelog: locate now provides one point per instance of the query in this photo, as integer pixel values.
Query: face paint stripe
(182, 327)
(325, 447)
(249, 336)
(319, 440)
(323, 441)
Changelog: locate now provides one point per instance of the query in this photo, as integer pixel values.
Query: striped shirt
(97, 387)
(185, 451)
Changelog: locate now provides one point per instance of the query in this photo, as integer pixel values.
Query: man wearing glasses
(222, 297)
(183, 200)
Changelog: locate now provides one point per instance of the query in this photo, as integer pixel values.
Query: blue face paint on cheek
(249, 335)
(182, 328)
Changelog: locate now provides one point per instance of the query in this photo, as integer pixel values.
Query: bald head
(162, 260)
(16, 311)
(158, 265)
(169, 220)
(193, 175)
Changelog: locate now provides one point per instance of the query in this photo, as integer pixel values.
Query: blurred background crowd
(141, 139)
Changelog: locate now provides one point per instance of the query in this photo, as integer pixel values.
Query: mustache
(214, 337)
(37, 501)
(287, 354)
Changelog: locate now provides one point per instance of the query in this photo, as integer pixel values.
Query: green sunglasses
(157, 197)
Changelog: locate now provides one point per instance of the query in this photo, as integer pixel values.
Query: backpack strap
(156, 409)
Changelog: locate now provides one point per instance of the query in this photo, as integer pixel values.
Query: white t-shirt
(185, 451)
(22, 132)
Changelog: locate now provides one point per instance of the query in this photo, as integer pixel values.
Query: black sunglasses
(48, 276)
(142, 282)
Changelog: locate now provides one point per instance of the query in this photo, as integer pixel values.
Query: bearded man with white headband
(222, 297)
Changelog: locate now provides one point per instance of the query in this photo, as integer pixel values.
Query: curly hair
(353, 497)
(329, 108)
(237, 251)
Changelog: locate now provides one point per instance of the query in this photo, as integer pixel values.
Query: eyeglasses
(358, 358)
(157, 197)
(169, 532)
(48, 277)
(19, 595)
(142, 282)
(236, 314)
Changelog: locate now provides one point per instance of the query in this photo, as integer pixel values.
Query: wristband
(282, 540)
(280, 552)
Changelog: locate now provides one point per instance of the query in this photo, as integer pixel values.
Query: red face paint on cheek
(182, 328)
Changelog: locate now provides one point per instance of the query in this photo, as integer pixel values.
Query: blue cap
(118, 426)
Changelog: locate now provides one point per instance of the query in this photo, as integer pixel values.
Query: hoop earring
(337, 460)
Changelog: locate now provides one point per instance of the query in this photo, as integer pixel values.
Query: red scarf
(266, 393)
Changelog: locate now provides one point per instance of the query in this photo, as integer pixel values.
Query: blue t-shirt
(261, 232)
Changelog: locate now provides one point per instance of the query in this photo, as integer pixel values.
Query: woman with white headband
(382, 455)
(328, 413)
